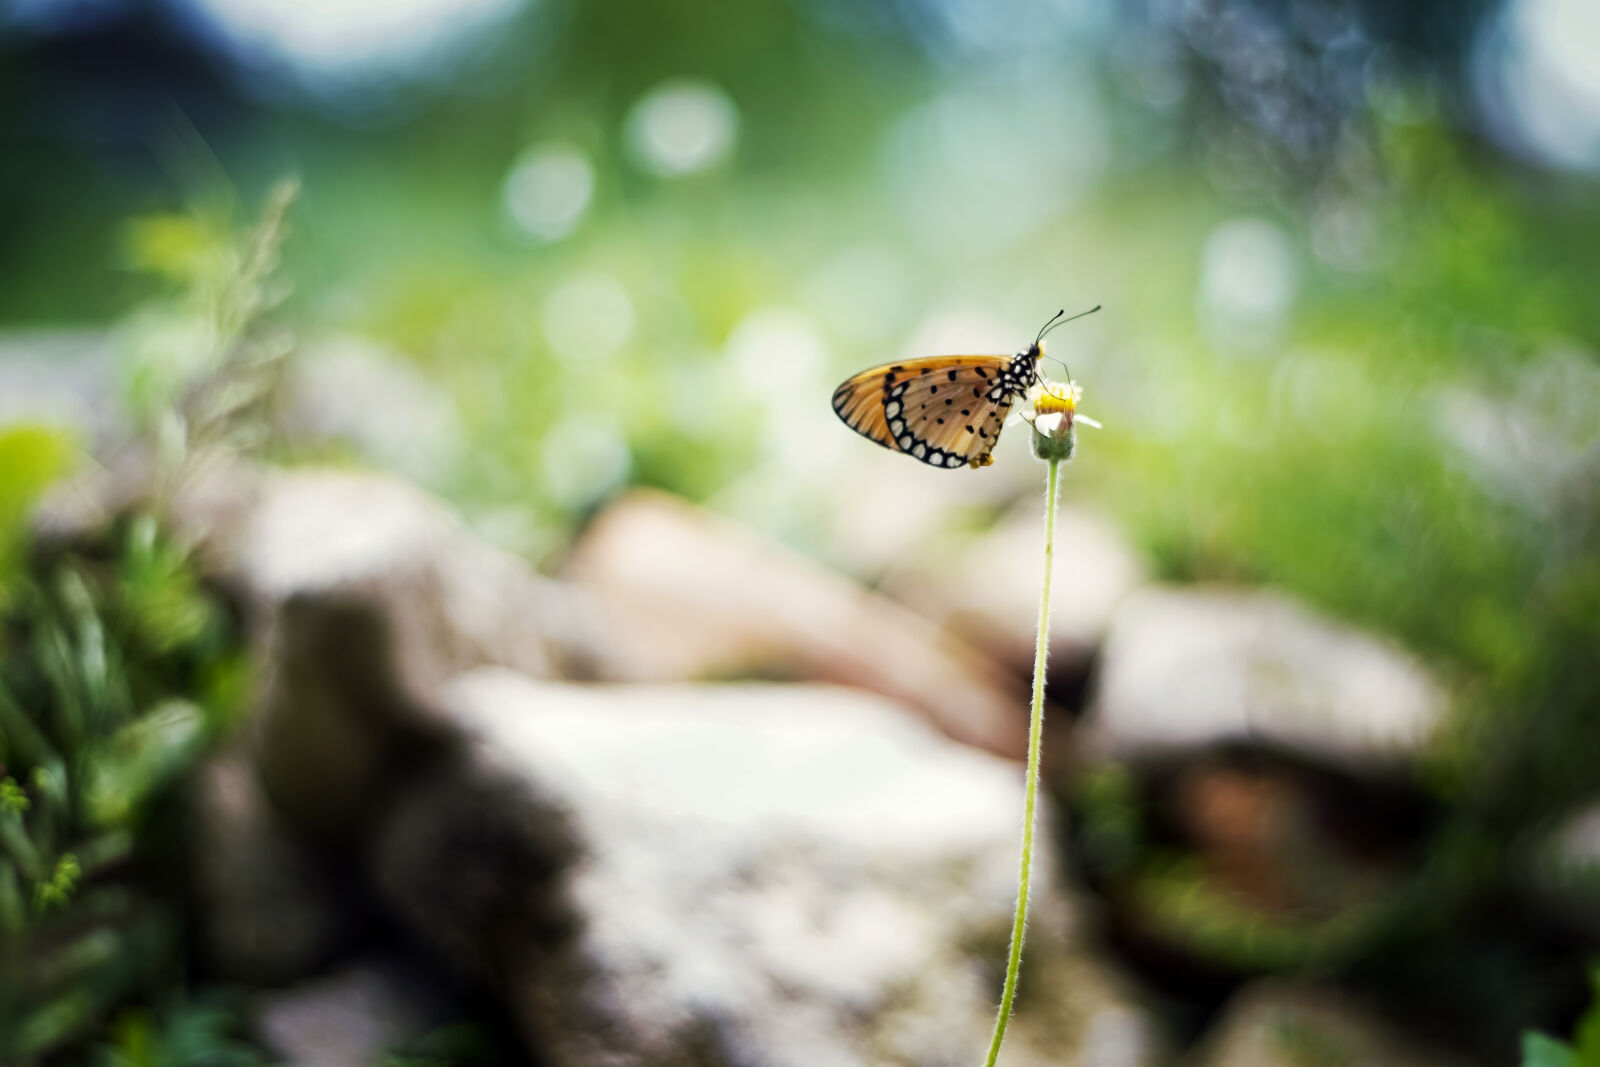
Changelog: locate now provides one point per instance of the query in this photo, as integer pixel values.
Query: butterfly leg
(980, 461)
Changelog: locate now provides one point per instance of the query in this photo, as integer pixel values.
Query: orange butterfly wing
(946, 411)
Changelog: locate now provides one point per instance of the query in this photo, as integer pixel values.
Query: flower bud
(1054, 435)
(1054, 438)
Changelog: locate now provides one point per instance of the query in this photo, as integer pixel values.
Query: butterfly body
(946, 411)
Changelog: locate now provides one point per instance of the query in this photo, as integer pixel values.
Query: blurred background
(444, 622)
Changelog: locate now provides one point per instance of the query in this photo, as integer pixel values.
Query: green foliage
(1416, 455)
(1178, 898)
(117, 669)
(1110, 823)
(185, 1033)
(56, 890)
(1541, 1050)
(1303, 1044)
(200, 365)
(456, 1045)
(104, 704)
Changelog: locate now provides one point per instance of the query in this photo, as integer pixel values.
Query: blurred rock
(363, 594)
(1185, 668)
(353, 1017)
(752, 874)
(881, 508)
(1234, 860)
(688, 595)
(268, 911)
(1280, 839)
(987, 589)
(356, 390)
(1271, 1024)
(1243, 795)
(336, 535)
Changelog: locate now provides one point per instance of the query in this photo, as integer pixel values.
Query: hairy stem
(1031, 791)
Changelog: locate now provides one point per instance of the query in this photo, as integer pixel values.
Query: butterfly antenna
(1053, 323)
(1046, 327)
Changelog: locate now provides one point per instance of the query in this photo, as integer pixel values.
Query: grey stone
(687, 595)
(1184, 668)
(1272, 1024)
(740, 874)
(362, 595)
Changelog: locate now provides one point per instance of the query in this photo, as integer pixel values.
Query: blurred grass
(1348, 470)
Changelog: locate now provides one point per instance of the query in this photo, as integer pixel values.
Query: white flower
(1055, 408)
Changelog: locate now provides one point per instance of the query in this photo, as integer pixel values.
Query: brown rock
(688, 595)
(362, 594)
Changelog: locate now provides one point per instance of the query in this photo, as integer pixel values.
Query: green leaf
(1586, 1037)
(139, 759)
(1541, 1050)
(31, 459)
(13, 801)
(180, 248)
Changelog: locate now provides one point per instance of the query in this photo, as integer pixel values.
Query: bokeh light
(1248, 277)
(588, 318)
(547, 191)
(682, 127)
(1538, 77)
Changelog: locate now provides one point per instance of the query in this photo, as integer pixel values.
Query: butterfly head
(1023, 373)
(1025, 365)
(1034, 355)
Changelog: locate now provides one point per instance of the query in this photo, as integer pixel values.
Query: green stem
(1031, 791)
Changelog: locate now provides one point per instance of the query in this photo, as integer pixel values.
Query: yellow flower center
(1056, 399)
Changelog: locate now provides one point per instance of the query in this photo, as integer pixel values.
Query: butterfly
(946, 411)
